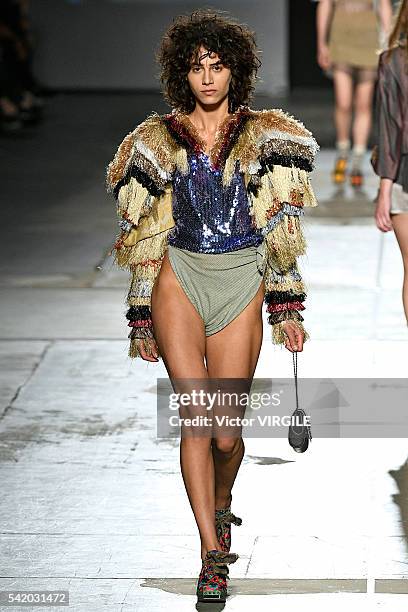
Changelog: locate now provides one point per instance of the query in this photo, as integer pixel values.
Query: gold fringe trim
(305, 187)
(147, 272)
(131, 199)
(134, 348)
(263, 200)
(117, 167)
(142, 279)
(180, 159)
(283, 185)
(285, 242)
(294, 286)
(138, 301)
(229, 168)
(152, 134)
(245, 150)
(148, 249)
(155, 136)
(277, 119)
(155, 217)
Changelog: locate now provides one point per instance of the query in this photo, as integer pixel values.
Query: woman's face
(209, 79)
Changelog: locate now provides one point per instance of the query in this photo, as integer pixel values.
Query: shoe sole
(211, 598)
(208, 599)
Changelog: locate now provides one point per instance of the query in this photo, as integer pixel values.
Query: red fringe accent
(141, 323)
(285, 306)
(148, 262)
(296, 197)
(183, 133)
(228, 138)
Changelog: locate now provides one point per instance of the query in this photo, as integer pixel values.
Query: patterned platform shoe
(223, 520)
(212, 581)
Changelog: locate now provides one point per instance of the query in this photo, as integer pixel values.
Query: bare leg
(233, 352)
(343, 91)
(180, 336)
(363, 97)
(227, 461)
(400, 225)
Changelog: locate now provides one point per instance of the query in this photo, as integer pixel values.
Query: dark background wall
(304, 70)
(110, 44)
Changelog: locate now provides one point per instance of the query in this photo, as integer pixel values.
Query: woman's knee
(363, 100)
(362, 107)
(227, 445)
(195, 444)
(344, 106)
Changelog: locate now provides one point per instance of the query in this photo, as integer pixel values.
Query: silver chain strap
(299, 411)
(295, 368)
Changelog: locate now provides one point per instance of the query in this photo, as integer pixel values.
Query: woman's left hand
(295, 336)
(382, 211)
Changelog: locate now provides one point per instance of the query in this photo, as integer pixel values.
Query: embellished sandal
(223, 520)
(212, 581)
(339, 172)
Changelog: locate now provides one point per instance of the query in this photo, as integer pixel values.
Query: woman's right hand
(323, 56)
(153, 347)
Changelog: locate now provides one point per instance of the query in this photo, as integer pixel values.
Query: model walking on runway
(347, 42)
(210, 198)
(390, 156)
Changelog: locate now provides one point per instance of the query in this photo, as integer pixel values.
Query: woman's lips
(209, 92)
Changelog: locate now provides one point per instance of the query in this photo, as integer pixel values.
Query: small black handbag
(299, 436)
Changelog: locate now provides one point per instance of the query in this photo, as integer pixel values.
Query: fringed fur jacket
(275, 153)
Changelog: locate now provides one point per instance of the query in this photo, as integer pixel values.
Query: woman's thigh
(343, 88)
(178, 328)
(400, 225)
(233, 352)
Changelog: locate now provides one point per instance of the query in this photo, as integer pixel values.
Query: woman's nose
(207, 80)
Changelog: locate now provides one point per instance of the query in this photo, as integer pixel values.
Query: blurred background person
(19, 99)
(390, 155)
(348, 36)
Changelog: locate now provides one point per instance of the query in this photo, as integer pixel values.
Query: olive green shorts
(219, 285)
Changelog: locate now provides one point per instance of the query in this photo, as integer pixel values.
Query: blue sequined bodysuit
(210, 217)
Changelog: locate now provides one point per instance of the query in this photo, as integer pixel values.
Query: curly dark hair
(234, 43)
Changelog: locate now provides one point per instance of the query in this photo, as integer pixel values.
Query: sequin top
(210, 217)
